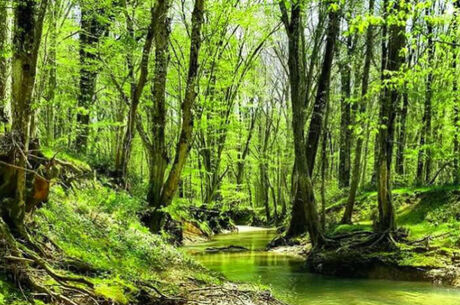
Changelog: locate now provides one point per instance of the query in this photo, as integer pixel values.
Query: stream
(290, 282)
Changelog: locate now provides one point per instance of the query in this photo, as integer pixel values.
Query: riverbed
(290, 282)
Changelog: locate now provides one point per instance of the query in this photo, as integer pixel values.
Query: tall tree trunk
(322, 94)
(4, 42)
(401, 143)
(155, 218)
(456, 103)
(158, 154)
(304, 199)
(346, 219)
(91, 30)
(424, 155)
(159, 22)
(304, 212)
(324, 166)
(28, 25)
(345, 119)
(389, 97)
(244, 151)
(52, 77)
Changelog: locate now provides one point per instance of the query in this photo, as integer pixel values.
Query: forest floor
(429, 219)
(91, 230)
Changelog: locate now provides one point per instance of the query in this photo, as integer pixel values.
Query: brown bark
(304, 212)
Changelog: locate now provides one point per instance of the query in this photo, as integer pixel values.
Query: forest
(229, 152)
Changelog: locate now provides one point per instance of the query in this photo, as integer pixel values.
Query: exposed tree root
(28, 267)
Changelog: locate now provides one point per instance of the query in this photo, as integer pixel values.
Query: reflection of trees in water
(289, 280)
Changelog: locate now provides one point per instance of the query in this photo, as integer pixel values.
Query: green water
(291, 283)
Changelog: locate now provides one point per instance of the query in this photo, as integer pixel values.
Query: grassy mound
(429, 221)
(93, 231)
(429, 211)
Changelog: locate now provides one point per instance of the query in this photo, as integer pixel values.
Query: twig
(25, 169)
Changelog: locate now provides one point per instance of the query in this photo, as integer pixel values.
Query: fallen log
(230, 248)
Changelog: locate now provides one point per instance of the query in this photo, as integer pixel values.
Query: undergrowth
(100, 227)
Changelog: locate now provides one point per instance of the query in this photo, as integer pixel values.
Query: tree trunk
(424, 155)
(346, 219)
(305, 151)
(90, 33)
(52, 77)
(322, 94)
(156, 217)
(28, 25)
(158, 152)
(159, 21)
(304, 158)
(345, 120)
(401, 143)
(324, 166)
(456, 104)
(389, 97)
(4, 42)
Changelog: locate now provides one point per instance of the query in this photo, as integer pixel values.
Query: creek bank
(230, 294)
(402, 265)
(428, 250)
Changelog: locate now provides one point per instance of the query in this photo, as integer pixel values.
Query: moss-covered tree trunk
(155, 218)
(356, 170)
(158, 155)
(305, 150)
(424, 155)
(396, 41)
(28, 24)
(345, 118)
(90, 33)
(456, 103)
(3, 59)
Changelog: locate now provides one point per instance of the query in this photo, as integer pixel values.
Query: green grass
(423, 211)
(100, 227)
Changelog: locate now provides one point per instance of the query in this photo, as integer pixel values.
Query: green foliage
(100, 226)
(10, 295)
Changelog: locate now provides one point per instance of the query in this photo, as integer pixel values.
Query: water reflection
(289, 280)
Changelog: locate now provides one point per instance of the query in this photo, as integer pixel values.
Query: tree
(305, 150)
(346, 219)
(424, 156)
(154, 218)
(28, 25)
(92, 28)
(389, 96)
(456, 101)
(158, 31)
(345, 117)
(3, 60)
